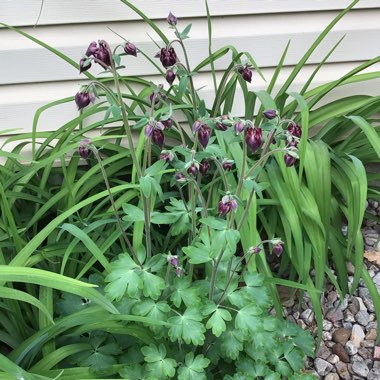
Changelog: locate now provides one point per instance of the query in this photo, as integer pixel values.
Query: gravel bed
(348, 349)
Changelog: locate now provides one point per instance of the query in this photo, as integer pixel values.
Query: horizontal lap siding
(31, 76)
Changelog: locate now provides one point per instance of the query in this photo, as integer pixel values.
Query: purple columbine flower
(204, 134)
(82, 66)
(168, 123)
(254, 250)
(82, 99)
(238, 127)
(246, 73)
(219, 123)
(289, 160)
(102, 54)
(173, 260)
(170, 76)
(277, 249)
(227, 165)
(83, 150)
(168, 57)
(158, 137)
(270, 114)
(92, 48)
(204, 166)
(167, 155)
(192, 169)
(295, 129)
(226, 205)
(130, 49)
(253, 138)
(171, 19)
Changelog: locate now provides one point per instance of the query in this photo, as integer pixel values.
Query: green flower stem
(213, 275)
(104, 174)
(222, 172)
(222, 85)
(192, 87)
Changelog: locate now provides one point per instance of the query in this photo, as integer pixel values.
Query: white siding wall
(31, 76)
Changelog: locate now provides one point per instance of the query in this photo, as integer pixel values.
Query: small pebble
(351, 348)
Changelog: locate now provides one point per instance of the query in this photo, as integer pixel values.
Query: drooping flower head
(289, 160)
(84, 65)
(227, 165)
(219, 123)
(277, 249)
(226, 205)
(253, 138)
(166, 155)
(204, 166)
(83, 99)
(154, 129)
(246, 73)
(170, 76)
(168, 123)
(130, 49)
(193, 169)
(168, 57)
(83, 149)
(204, 133)
(295, 129)
(92, 48)
(239, 127)
(102, 54)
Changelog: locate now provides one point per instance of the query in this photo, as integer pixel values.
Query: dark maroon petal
(82, 66)
(204, 166)
(158, 137)
(270, 114)
(204, 135)
(289, 160)
(170, 76)
(253, 138)
(130, 49)
(92, 48)
(192, 170)
(277, 249)
(82, 99)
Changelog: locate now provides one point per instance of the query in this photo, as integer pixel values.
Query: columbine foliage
(173, 212)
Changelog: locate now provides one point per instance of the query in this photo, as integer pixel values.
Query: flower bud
(173, 260)
(227, 165)
(270, 114)
(167, 156)
(289, 160)
(168, 57)
(158, 137)
(220, 125)
(167, 123)
(246, 73)
(196, 126)
(82, 99)
(204, 135)
(277, 249)
(239, 127)
(204, 166)
(178, 271)
(170, 76)
(180, 177)
(254, 250)
(171, 19)
(192, 170)
(92, 48)
(130, 49)
(82, 66)
(83, 150)
(253, 138)
(295, 129)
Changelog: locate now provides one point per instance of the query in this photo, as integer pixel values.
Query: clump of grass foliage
(143, 254)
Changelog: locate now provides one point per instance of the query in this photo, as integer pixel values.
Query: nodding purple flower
(173, 260)
(158, 137)
(130, 49)
(204, 166)
(102, 54)
(84, 65)
(180, 177)
(83, 99)
(92, 48)
(170, 76)
(219, 123)
(246, 73)
(204, 134)
(192, 170)
(289, 160)
(83, 149)
(168, 57)
(295, 129)
(171, 19)
(238, 127)
(253, 138)
(227, 165)
(226, 205)
(167, 123)
(196, 126)
(167, 155)
(270, 114)
(277, 249)
(178, 271)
